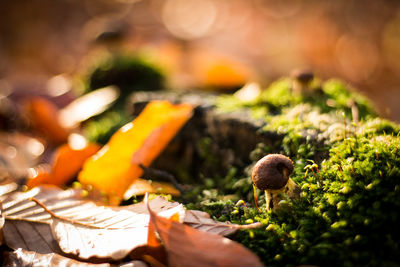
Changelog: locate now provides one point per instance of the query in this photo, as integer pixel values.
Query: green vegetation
(128, 72)
(347, 162)
(349, 173)
(101, 128)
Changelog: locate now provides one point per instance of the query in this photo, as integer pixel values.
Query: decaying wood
(233, 135)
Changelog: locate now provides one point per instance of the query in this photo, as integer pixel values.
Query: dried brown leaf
(22, 258)
(113, 234)
(27, 225)
(187, 246)
(201, 220)
(25, 258)
(85, 230)
(103, 232)
(30, 236)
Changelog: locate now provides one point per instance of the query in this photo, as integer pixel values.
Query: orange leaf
(116, 165)
(44, 117)
(66, 164)
(187, 246)
(225, 75)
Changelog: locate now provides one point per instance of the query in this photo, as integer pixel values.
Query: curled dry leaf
(116, 165)
(187, 246)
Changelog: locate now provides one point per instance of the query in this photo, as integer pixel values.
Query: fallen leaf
(201, 220)
(87, 106)
(157, 204)
(30, 227)
(220, 72)
(108, 234)
(27, 225)
(44, 118)
(28, 235)
(116, 165)
(67, 161)
(187, 246)
(72, 225)
(141, 186)
(25, 258)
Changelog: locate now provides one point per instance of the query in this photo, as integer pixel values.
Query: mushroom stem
(273, 197)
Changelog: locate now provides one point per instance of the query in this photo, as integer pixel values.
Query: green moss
(349, 173)
(101, 128)
(128, 72)
(332, 95)
(347, 214)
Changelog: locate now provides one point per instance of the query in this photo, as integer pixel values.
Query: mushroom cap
(272, 172)
(303, 76)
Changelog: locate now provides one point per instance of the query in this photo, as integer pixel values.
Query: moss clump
(128, 72)
(101, 128)
(329, 96)
(349, 173)
(347, 214)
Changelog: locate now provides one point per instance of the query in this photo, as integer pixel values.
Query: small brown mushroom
(271, 174)
(301, 81)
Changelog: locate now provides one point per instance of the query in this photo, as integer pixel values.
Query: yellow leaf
(116, 166)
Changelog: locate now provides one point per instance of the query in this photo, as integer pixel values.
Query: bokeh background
(255, 40)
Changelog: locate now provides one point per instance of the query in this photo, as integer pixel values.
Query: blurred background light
(189, 19)
(198, 41)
